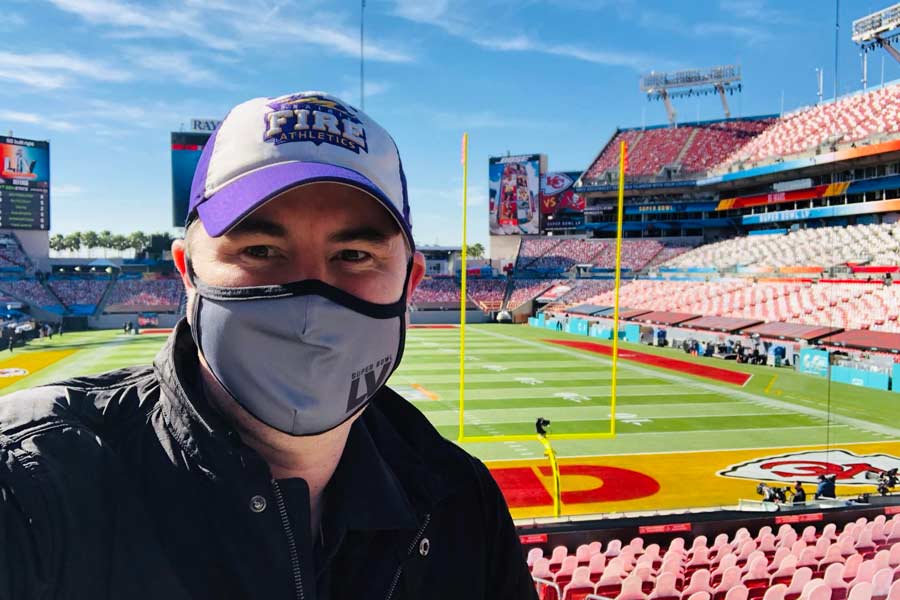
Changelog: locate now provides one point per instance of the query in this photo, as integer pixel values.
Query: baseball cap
(266, 146)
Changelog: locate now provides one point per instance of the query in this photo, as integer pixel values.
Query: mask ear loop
(403, 319)
(195, 309)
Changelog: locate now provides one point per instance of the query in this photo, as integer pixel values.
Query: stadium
(647, 436)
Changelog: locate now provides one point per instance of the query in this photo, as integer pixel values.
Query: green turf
(513, 377)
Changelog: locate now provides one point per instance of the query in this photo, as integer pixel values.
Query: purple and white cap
(266, 146)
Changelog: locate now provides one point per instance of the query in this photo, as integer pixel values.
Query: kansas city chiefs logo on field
(849, 468)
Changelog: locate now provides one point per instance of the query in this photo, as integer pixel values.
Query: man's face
(326, 231)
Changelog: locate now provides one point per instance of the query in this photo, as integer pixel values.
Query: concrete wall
(36, 244)
(449, 317)
(504, 247)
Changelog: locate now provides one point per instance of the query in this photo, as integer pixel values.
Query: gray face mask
(301, 357)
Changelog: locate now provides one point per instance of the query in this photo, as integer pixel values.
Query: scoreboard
(24, 184)
(186, 150)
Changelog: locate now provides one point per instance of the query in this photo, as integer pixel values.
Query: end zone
(24, 364)
(643, 482)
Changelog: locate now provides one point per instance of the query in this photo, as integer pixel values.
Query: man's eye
(259, 251)
(353, 255)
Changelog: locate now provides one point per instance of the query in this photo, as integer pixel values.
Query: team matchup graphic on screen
(24, 184)
(561, 207)
(515, 190)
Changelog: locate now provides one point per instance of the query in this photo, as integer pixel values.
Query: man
(262, 456)
(825, 488)
(799, 493)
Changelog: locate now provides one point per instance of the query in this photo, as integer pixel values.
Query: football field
(515, 375)
(677, 416)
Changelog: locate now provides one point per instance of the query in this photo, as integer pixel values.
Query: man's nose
(308, 265)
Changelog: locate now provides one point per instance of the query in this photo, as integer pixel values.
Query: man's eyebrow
(365, 233)
(251, 226)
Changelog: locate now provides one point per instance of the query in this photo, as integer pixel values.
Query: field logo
(13, 372)
(849, 468)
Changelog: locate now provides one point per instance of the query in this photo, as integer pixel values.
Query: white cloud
(747, 33)
(440, 13)
(53, 70)
(351, 92)
(11, 21)
(754, 10)
(230, 25)
(175, 66)
(111, 118)
(423, 11)
(158, 21)
(45, 121)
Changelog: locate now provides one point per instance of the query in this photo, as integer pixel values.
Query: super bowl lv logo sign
(847, 467)
(312, 118)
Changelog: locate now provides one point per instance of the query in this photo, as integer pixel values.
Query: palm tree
(73, 241)
(138, 240)
(90, 240)
(104, 240)
(57, 242)
(120, 243)
(475, 250)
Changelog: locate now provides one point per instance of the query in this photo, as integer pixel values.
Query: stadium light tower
(878, 30)
(694, 82)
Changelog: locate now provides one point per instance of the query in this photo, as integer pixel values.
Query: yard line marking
(769, 386)
(733, 392)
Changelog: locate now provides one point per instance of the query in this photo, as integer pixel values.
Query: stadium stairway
(687, 146)
(101, 304)
(506, 293)
(46, 285)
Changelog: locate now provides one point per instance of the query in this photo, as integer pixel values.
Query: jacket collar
(381, 482)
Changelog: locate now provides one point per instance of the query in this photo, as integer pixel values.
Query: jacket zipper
(292, 542)
(409, 551)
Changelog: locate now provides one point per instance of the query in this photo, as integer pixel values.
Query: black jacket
(127, 486)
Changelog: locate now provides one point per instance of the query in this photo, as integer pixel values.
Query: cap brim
(227, 207)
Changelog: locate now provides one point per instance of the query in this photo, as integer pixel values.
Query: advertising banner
(515, 189)
(148, 319)
(870, 379)
(24, 184)
(814, 362)
(823, 212)
(561, 207)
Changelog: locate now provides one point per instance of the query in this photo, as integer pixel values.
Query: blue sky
(107, 80)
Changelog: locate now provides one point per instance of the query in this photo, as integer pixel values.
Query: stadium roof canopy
(726, 324)
(664, 317)
(866, 340)
(791, 331)
(587, 309)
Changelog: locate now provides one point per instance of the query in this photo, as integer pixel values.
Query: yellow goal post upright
(611, 433)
